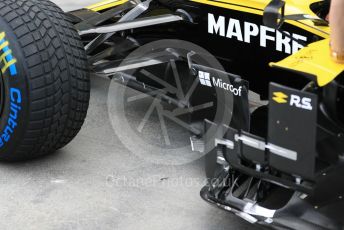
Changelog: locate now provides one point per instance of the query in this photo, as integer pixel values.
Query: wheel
(44, 82)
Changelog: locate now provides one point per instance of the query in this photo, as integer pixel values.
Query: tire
(44, 82)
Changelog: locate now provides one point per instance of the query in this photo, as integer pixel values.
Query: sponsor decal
(244, 32)
(12, 121)
(7, 61)
(280, 97)
(293, 100)
(8, 68)
(206, 80)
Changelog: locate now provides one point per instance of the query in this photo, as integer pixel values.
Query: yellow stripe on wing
(106, 4)
(230, 6)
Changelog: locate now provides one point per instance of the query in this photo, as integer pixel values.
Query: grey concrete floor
(98, 183)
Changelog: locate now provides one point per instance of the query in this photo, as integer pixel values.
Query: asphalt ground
(104, 180)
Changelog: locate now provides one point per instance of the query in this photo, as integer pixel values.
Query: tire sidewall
(14, 117)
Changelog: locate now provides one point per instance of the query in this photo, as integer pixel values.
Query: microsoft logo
(204, 78)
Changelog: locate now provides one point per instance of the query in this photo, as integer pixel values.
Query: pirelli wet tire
(44, 80)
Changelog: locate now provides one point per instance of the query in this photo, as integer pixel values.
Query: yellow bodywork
(105, 4)
(314, 59)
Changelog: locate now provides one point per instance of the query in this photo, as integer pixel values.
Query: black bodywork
(278, 166)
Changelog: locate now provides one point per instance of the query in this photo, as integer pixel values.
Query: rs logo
(301, 102)
(280, 97)
(293, 100)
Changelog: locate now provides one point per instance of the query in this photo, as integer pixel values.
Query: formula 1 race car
(263, 99)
